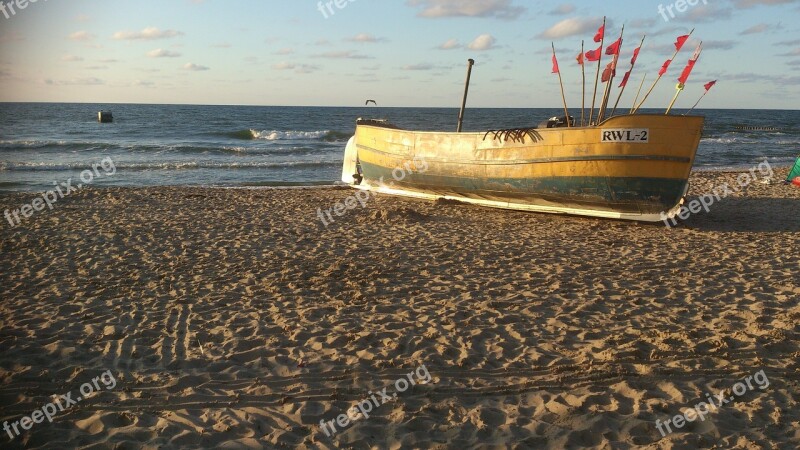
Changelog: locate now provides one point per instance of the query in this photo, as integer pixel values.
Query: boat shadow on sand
(755, 214)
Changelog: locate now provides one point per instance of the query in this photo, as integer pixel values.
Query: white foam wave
(288, 135)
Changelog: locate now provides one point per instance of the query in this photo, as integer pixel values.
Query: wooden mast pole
(597, 76)
(607, 92)
(471, 62)
(659, 77)
(639, 92)
(563, 96)
(583, 92)
(633, 65)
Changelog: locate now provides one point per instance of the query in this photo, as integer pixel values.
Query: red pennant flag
(688, 69)
(710, 85)
(609, 72)
(613, 49)
(625, 79)
(594, 55)
(555, 64)
(580, 59)
(635, 55)
(681, 40)
(686, 72)
(600, 34)
(664, 67)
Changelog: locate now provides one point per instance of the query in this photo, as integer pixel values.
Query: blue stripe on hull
(631, 195)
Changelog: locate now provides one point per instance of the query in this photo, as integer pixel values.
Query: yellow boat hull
(629, 167)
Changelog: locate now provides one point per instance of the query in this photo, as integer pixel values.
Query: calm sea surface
(154, 145)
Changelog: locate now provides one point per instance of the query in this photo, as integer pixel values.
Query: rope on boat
(514, 135)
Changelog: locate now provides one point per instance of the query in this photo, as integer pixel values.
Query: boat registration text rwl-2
(628, 135)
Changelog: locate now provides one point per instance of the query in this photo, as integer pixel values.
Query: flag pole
(597, 76)
(695, 105)
(639, 92)
(682, 85)
(633, 65)
(659, 77)
(563, 97)
(607, 92)
(583, 92)
(675, 98)
(701, 98)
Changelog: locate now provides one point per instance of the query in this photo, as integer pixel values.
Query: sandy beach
(234, 318)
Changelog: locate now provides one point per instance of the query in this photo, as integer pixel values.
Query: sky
(398, 52)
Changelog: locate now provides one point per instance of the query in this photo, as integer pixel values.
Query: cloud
(222, 45)
(91, 81)
(573, 27)
(11, 36)
(343, 55)
(418, 67)
(161, 53)
(483, 42)
(563, 10)
(789, 43)
(752, 3)
(71, 58)
(365, 38)
(755, 29)
(285, 51)
(795, 52)
(81, 36)
(749, 77)
(719, 45)
(148, 34)
(195, 67)
(708, 13)
(109, 60)
(298, 68)
(642, 23)
(503, 9)
(450, 45)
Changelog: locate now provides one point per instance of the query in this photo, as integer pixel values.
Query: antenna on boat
(471, 62)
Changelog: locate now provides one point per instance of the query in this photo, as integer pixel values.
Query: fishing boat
(630, 166)
(633, 167)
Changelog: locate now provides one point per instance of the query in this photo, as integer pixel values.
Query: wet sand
(235, 319)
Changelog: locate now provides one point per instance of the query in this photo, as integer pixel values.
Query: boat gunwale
(559, 129)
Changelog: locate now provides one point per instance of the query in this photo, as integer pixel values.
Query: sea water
(190, 145)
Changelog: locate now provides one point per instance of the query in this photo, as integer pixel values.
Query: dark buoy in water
(105, 117)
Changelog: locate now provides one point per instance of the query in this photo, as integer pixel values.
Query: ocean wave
(775, 140)
(279, 135)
